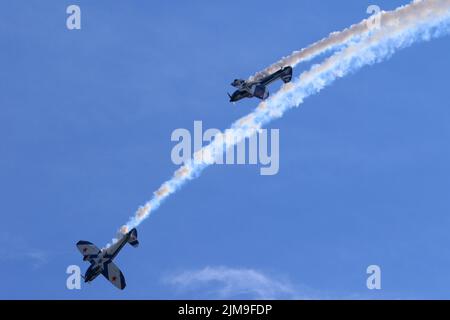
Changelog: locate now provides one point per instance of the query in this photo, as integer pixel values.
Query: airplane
(102, 260)
(258, 88)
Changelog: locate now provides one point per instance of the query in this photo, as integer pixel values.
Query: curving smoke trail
(341, 39)
(429, 19)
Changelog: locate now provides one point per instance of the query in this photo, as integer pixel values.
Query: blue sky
(85, 124)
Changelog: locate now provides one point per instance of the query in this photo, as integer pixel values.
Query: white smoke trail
(432, 20)
(341, 39)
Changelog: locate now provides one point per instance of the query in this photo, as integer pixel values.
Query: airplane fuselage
(104, 256)
(101, 261)
(258, 88)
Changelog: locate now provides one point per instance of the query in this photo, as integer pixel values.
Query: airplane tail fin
(133, 238)
(287, 76)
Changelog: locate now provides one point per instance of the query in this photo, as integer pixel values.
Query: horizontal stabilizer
(287, 74)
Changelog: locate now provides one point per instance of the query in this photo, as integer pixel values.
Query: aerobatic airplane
(258, 88)
(101, 260)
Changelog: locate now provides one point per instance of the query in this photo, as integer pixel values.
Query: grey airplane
(102, 260)
(258, 88)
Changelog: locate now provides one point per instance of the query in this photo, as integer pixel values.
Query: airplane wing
(114, 275)
(284, 74)
(88, 249)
